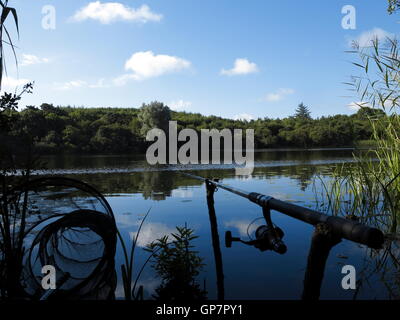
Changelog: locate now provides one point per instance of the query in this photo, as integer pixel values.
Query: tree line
(55, 129)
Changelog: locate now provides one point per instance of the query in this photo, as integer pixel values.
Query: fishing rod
(341, 227)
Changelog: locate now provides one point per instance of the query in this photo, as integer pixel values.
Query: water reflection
(242, 226)
(272, 156)
(249, 274)
(150, 232)
(382, 266)
(159, 185)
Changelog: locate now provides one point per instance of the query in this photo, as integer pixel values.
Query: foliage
(393, 6)
(178, 266)
(378, 83)
(154, 115)
(13, 202)
(10, 122)
(117, 130)
(5, 37)
(371, 189)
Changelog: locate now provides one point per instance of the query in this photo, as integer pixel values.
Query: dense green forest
(123, 130)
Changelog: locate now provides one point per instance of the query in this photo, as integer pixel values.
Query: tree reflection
(158, 185)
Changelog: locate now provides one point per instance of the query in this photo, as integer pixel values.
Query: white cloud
(143, 65)
(122, 80)
(279, 95)
(365, 39)
(355, 106)
(241, 66)
(12, 83)
(180, 105)
(30, 59)
(101, 83)
(114, 11)
(146, 64)
(244, 117)
(72, 84)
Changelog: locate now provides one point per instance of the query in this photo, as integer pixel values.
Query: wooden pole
(215, 240)
(323, 240)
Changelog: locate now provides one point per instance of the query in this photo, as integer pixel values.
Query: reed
(369, 189)
(131, 291)
(5, 37)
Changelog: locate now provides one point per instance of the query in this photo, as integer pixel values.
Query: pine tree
(302, 112)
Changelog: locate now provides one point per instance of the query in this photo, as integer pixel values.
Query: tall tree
(303, 112)
(154, 115)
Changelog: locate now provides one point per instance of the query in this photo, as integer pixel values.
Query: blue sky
(230, 58)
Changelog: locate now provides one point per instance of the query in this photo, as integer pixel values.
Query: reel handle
(229, 239)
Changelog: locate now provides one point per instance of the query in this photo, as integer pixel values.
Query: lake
(132, 188)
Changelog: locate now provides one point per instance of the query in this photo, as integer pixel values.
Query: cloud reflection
(240, 225)
(150, 232)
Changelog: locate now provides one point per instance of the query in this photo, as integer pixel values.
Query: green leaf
(15, 15)
(358, 65)
(4, 15)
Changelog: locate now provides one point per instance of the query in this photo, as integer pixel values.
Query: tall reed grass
(369, 189)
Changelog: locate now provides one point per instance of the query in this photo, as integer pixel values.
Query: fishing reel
(267, 237)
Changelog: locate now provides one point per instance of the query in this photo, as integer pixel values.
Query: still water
(132, 188)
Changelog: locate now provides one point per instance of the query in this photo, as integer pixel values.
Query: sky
(230, 58)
